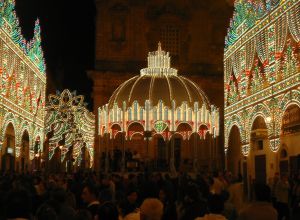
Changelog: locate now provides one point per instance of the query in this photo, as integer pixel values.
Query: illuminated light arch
(260, 110)
(115, 129)
(131, 131)
(156, 134)
(177, 134)
(135, 133)
(183, 123)
(234, 120)
(116, 134)
(292, 97)
(8, 118)
(290, 103)
(195, 133)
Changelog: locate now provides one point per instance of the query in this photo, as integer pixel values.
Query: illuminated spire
(159, 63)
(159, 47)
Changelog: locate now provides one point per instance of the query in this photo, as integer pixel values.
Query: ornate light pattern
(22, 81)
(10, 26)
(261, 67)
(159, 101)
(71, 123)
(167, 112)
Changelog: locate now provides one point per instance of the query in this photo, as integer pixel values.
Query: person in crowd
(83, 214)
(90, 198)
(296, 198)
(218, 186)
(282, 197)
(273, 185)
(230, 211)
(58, 198)
(193, 205)
(107, 211)
(18, 205)
(262, 208)
(235, 190)
(166, 198)
(151, 209)
(130, 203)
(215, 207)
(46, 212)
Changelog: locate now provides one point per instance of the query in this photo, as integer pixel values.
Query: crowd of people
(144, 196)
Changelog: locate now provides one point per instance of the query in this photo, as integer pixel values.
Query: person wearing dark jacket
(89, 197)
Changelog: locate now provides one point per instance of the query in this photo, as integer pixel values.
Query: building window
(170, 38)
(260, 145)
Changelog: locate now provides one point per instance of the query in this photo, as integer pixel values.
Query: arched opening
(118, 148)
(259, 146)
(8, 157)
(135, 151)
(195, 143)
(234, 155)
(183, 147)
(289, 139)
(24, 152)
(161, 153)
(205, 147)
(177, 140)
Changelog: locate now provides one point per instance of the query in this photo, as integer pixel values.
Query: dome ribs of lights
(261, 66)
(158, 99)
(72, 125)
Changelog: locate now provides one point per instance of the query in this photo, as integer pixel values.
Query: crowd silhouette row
(145, 196)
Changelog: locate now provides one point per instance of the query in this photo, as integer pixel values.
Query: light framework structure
(261, 68)
(22, 89)
(72, 126)
(158, 102)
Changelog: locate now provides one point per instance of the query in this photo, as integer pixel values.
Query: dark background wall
(68, 32)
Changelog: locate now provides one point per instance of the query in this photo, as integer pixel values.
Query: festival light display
(73, 126)
(22, 81)
(160, 101)
(261, 67)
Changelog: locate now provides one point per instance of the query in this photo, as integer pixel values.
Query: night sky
(68, 39)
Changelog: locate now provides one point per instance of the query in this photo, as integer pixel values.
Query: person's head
(262, 192)
(83, 214)
(132, 196)
(18, 204)
(284, 177)
(89, 193)
(165, 195)
(151, 209)
(216, 204)
(162, 195)
(46, 212)
(191, 193)
(107, 211)
(59, 195)
(105, 196)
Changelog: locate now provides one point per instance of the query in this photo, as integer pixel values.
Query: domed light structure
(160, 101)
